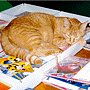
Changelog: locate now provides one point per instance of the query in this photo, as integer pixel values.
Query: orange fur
(40, 34)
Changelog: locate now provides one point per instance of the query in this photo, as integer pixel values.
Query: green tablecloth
(4, 5)
(77, 7)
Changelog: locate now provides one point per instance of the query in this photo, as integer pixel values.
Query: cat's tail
(11, 49)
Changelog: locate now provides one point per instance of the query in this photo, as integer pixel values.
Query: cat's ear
(83, 25)
(66, 23)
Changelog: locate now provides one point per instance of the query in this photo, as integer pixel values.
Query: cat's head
(74, 30)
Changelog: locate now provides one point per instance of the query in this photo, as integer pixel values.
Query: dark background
(77, 7)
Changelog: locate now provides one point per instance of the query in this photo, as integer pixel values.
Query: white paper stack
(29, 8)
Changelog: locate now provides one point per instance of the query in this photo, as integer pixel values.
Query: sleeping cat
(40, 34)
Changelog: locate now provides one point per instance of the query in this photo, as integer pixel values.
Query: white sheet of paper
(84, 73)
(29, 8)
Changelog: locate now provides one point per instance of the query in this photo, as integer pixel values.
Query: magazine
(69, 68)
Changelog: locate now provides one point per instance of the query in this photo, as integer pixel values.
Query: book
(60, 84)
(72, 69)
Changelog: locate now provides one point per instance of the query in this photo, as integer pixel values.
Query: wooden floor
(43, 86)
(83, 53)
(4, 87)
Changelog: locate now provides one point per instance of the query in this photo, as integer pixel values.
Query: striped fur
(39, 34)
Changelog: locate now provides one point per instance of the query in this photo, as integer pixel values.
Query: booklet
(73, 69)
(60, 84)
(64, 84)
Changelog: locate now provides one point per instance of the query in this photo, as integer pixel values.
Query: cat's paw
(33, 59)
(36, 60)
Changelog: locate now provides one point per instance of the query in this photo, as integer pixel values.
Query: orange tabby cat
(40, 34)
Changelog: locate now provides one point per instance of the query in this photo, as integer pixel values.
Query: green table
(4, 5)
(77, 7)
